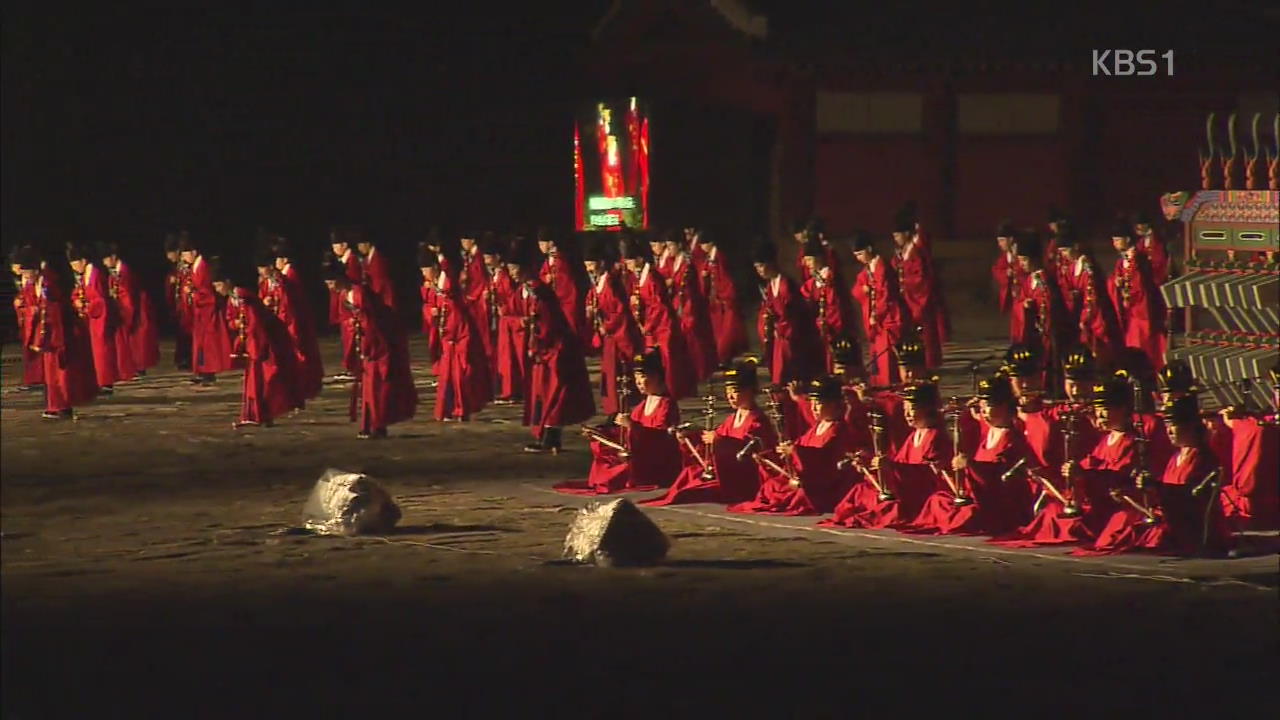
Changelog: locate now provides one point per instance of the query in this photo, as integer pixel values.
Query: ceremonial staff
(708, 425)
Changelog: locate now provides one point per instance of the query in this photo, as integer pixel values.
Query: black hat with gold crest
(844, 352)
(1115, 391)
(649, 363)
(910, 351)
(1022, 360)
(765, 254)
(923, 394)
(742, 374)
(1078, 365)
(1182, 411)
(996, 390)
(826, 389)
(1176, 377)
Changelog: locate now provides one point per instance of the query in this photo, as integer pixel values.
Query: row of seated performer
(1103, 471)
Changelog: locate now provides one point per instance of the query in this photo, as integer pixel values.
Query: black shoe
(108, 390)
(142, 373)
(59, 415)
(363, 435)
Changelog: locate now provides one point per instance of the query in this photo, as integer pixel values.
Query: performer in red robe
(384, 393)
(1086, 484)
(722, 297)
(179, 294)
(650, 454)
(97, 309)
(920, 293)
(1007, 273)
(615, 330)
(690, 305)
(340, 240)
(829, 302)
(1041, 304)
(296, 313)
(1250, 498)
(893, 490)
(377, 270)
(1092, 317)
(465, 382)
(1153, 246)
(210, 342)
(505, 298)
(876, 292)
(559, 274)
(805, 476)
(473, 282)
(788, 330)
(25, 305)
(651, 307)
(60, 338)
(139, 344)
(1139, 305)
(262, 342)
(814, 231)
(723, 471)
(558, 388)
(987, 504)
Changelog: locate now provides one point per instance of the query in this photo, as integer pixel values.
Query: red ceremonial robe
(695, 317)
(829, 254)
(1045, 315)
(1091, 313)
(1180, 527)
(431, 324)
(620, 336)
(1250, 499)
(124, 306)
(796, 352)
(813, 462)
(377, 275)
(876, 292)
(179, 296)
(654, 453)
(102, 318)
(734, 480)
(830, 306)
(465, 385)
(509, 362)
(64, 346)
(997, 507)
(558, 390)
(271, 378)
(385, 390)
(722, 299)
(338, 310)
(908, 475)
(295, 312)
(210, 342)
(1157, 257)
(25, 307)
(473, 281)
(1110, 464)
(921, 297)
(559, 276)
(1007, 274)
(652, 310)
(139, 315)
(1139, 307)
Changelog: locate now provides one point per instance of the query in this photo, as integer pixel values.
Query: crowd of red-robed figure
(856, 433)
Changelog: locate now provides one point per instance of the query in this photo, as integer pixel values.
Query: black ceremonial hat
(862, 240)
(742, 373)
(910, 351)
(1078, 364)
(1022, 360)
(1176, 377)
(765, 253)
(996, 389)
(649, 363)
(921, 394)
(1029, 245)
(826, 389)
(1181, 411)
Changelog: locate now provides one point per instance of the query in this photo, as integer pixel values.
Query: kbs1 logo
(1126, 63)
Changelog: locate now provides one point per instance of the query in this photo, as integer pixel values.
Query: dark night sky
(121, 124)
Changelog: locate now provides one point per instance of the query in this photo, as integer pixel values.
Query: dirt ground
(149, 570)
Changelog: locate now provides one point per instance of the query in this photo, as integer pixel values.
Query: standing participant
(1040, 303)
(722, 297)
(558, 274)
(377, 270)
(894, 489)
(60, 338)
(557, 386)
(876, 292)
(1139, 305)
(1153, 246)
(1007, 273)
(652, 310)
(210, 343)
(829, 302)
(505, 321)
(722, 471)
(919, 285)
(25, 306)
(295, 311)
(383, 393)
(91, 298)
(465, 383)
(691, 307)
(788, 331)
(139, 343)
(178, 297)
(340, 244)
(807, 478)
(814, 231)
(473, 282)
(1092, 317)
(614, 328)
(1250, 499)
(640, 451)
(262, 342)
(428, 292)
